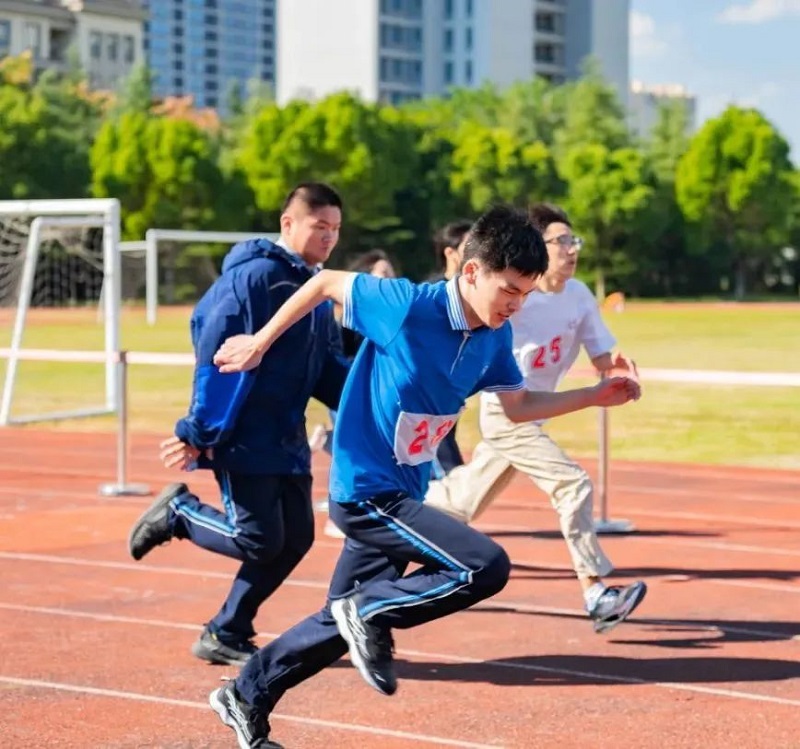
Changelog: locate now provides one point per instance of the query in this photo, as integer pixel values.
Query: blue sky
(724, 51)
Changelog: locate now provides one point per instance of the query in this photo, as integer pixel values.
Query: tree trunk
(740, 281)
(599, 284)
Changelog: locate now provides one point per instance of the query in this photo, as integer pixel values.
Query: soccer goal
(150, 263)
(56, 259)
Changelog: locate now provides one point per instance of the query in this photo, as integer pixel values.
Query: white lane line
(452, 658)
(317, 584)
(494, 604)
(131, 566)
(356, 727)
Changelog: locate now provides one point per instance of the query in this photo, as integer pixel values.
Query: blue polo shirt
(409, 381)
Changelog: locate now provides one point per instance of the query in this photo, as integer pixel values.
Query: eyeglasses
(565, 241)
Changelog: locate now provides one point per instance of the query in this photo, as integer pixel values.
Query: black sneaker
(210, 648)
(152, 528)
(370, 647)
(252, 728)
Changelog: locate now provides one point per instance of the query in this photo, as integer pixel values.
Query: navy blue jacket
(255, 421)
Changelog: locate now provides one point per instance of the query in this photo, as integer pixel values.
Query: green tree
(45, 132)
(365, 151)
(164, 171)
(734, 187)
(663, 266)
(490, 164)
(593, 113)
(607, 193)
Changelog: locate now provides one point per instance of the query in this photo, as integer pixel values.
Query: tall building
(394, 50)
(107, 35)
(645, 102)
(205, 48)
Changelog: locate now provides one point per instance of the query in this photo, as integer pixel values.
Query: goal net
(60, 289)
(174, 265)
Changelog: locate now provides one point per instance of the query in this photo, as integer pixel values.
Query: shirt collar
(455, 307)
(280, 242)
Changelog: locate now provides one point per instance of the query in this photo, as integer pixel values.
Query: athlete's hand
(238, 354)
(624, 366)
(177, 454)
(615, 391)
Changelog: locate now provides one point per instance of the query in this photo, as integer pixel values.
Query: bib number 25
(417, 436)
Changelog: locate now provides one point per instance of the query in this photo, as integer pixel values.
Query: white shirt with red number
(549, 331)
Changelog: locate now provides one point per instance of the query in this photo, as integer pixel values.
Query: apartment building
(106, 35)
(395, 50)
(205, 48)
(645, 102)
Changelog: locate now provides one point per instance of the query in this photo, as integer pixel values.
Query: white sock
(592, 594)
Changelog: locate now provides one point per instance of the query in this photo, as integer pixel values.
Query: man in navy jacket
(250, 429)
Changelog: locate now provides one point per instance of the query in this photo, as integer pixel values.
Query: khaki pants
(507, 448)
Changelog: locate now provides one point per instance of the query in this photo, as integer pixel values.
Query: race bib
(417, 436)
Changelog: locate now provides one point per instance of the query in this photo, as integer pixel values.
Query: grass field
(726, 425)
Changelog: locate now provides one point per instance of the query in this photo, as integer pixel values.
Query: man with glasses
(559, 317)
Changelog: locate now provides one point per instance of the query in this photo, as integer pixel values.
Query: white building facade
(395, 50)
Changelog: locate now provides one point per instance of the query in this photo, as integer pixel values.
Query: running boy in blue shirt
(429, 347)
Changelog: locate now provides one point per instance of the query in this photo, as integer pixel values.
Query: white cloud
(644, 40)
(760, 11)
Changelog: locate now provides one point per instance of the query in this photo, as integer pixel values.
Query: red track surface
(94, 648)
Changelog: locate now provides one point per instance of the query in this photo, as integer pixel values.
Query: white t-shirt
(549, 331)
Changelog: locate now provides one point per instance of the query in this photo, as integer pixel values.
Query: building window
(5, 37)
(469, 8)
(95, 45)
(384, 69)
(33, 39)
(128, 49)
(211, 101)
(548, 23)
(468, 72)
(448, 40)
(448, 9)
(448, 72)
(177, 49)
(468, 40)
(552, 54)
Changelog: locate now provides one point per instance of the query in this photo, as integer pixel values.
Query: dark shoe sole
(206, 652)
(164, 498)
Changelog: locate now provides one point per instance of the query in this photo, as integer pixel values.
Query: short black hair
(366, 261)
(450, 235)
(544, 214)
(504, 237)
(315, 195)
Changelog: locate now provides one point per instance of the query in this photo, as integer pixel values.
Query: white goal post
(101, 214)
(150, 246)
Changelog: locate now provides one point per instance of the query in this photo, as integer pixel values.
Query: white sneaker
(616, 604)
(318, 438)
(332, 530)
